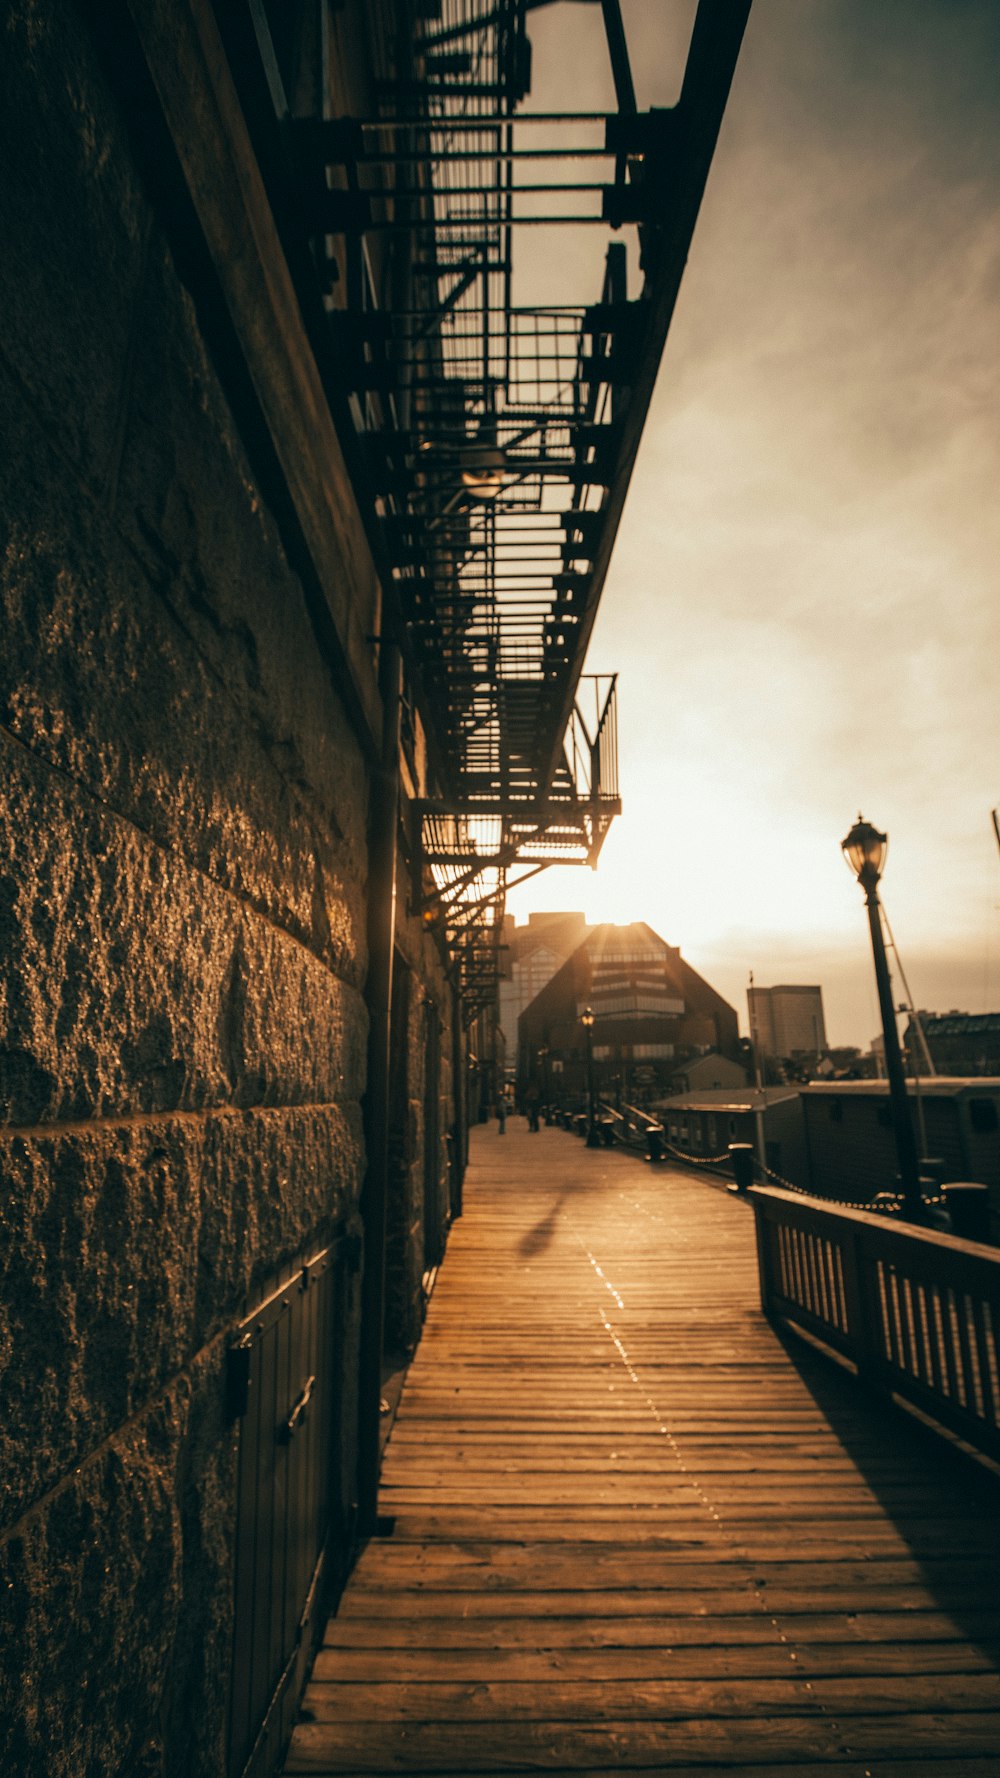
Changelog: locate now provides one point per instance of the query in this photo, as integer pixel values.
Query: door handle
(290, 1426)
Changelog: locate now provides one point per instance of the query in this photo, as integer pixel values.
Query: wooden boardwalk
(635, 1530)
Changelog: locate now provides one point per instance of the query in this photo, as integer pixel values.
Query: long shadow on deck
(952, 1532)
(537, 1239)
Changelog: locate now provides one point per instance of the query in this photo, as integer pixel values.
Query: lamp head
(865, 849)
(587, 1017)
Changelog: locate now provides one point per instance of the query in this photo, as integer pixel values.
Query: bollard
(969, 1209)
(741, 1156)
(654, 1142)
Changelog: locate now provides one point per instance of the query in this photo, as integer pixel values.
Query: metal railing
(915, 1311)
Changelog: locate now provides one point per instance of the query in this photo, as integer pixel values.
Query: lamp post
(865, 849)
(543, 1057)
(587, 1021)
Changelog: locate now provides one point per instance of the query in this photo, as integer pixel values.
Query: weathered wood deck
(636, 1531)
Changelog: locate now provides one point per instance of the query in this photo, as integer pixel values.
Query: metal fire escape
(495, 434)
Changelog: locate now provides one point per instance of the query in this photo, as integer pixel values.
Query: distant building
(786, 1021)
(531, 954)
(652, 1012)
(707, 1073)
(959, 1042)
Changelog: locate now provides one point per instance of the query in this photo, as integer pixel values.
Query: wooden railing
(916, 1312)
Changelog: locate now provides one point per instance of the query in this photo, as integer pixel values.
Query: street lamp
(543, 1057)
(865, 849)
(587, 1021)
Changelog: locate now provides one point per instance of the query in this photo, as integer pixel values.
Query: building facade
(703, 1123)
(532, 954)
(851, 1145)
(958, 1042)
(786, 1022)
(651, 1011)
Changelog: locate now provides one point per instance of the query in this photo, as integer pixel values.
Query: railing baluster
(838, 1267)
(812, 1279)
(958, 1346)
(829, 1284)
(935, 1340)
(988, 1391)
(926, 1369)
(895, 1341)
(970, 1358)
(910, 1325)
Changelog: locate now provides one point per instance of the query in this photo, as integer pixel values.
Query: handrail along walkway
(915, 1311)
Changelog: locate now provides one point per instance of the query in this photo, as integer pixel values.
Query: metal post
(381, 943)
(906, 1147)
(741, 1160)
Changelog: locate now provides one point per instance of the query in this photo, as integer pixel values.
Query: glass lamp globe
(865, 849)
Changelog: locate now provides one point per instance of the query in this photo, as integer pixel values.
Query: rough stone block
(99, 1228)
(89, 1598)
(135, 985)
(273, 1183)
(74, 225)
(102, 676)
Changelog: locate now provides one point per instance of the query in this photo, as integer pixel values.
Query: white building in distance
(786, 1021)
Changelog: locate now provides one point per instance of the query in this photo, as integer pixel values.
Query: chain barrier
(883, 1208)
(891, 1204)
(631, 1133)
(697, 1160)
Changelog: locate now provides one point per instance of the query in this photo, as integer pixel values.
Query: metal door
(284, 1389)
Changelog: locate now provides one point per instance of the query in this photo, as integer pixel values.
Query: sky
(802, 605)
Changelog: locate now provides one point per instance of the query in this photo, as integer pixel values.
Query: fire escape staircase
(492, 435)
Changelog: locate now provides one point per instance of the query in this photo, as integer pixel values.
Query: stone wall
(182, 904)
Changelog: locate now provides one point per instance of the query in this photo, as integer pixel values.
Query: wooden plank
(762, 1659)
(475, 1747)
(655, 1700)
(887, 1633)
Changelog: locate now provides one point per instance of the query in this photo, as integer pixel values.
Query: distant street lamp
(865, 849)
(587, 1021)
(543, 1057)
